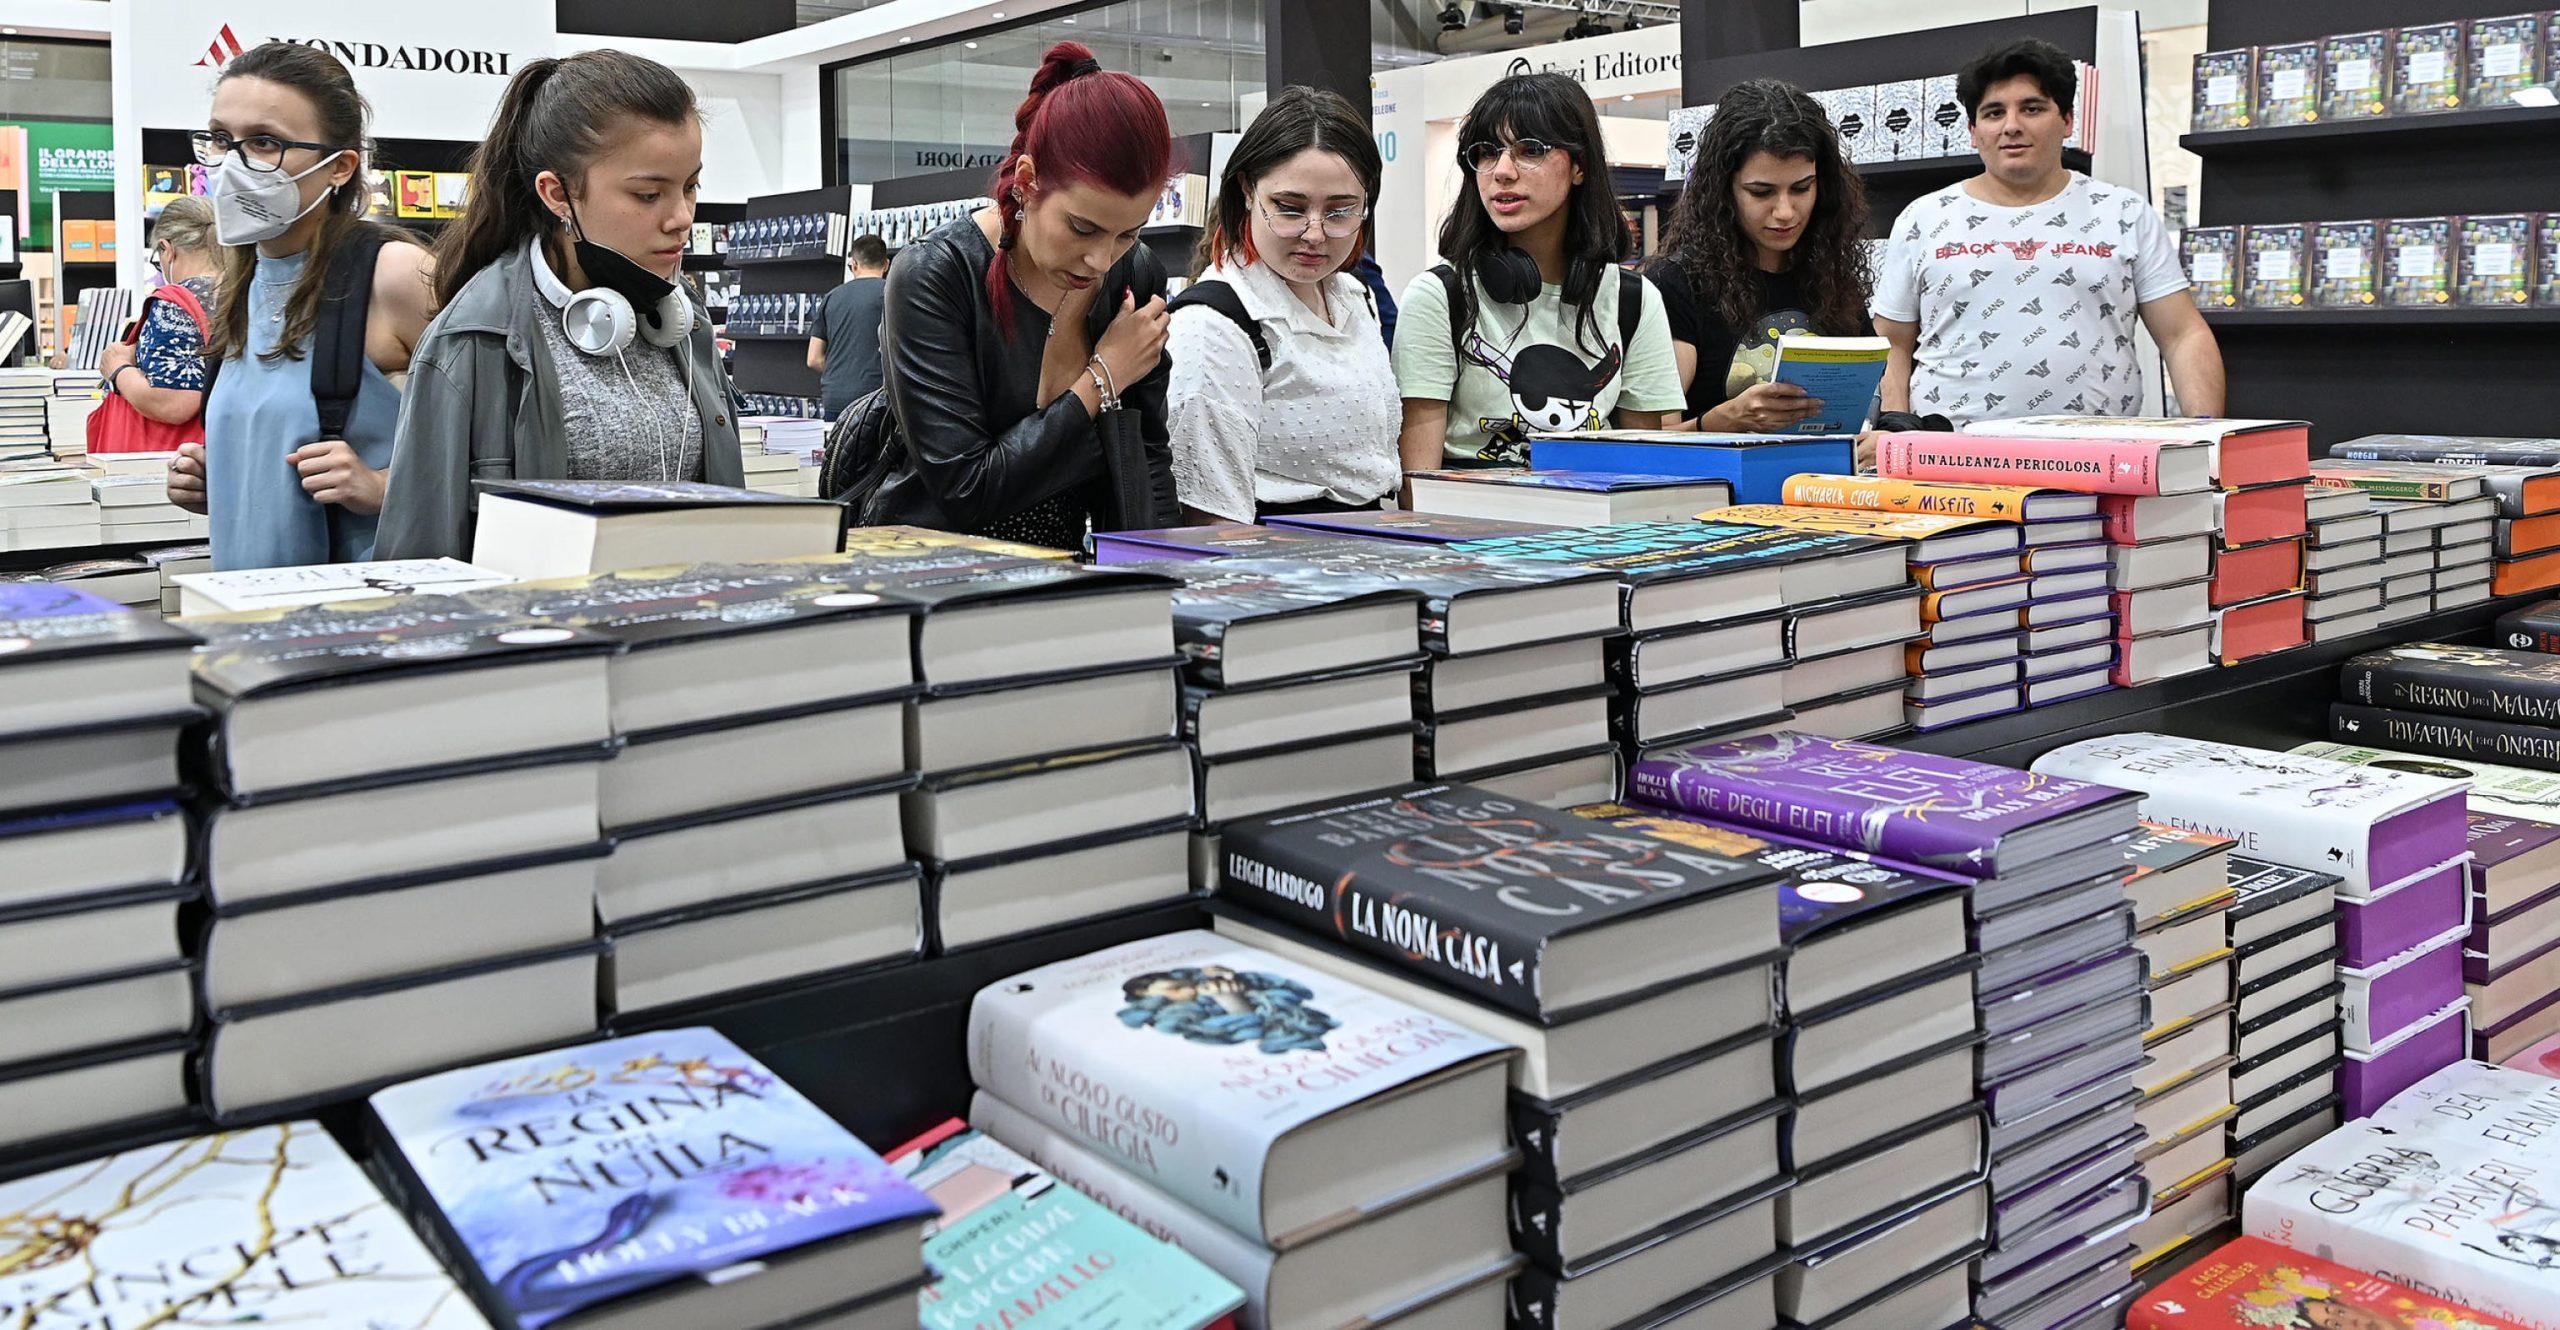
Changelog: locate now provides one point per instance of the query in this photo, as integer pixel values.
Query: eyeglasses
(1290, 221)
(1526, 154)
(262, 152)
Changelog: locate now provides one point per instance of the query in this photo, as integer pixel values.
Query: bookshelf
(779, 364)
(2369, 371)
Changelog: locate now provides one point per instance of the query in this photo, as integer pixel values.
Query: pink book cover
(2542, 1059)
(2089, 466)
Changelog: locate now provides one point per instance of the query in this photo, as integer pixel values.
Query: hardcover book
(2090, 466)
(1221, 540)
(1003, 1246)
(273, 1225)
(2511, 791)
(2275, 276)
(2534, 628)
(2505, 58)
(2288, 86)
(2344, 267)
(2497, 258)
(1940, 813)
(2242, 453)
(1937, 498)
(1929, 537)
(2494, 683)
(2212, 258)
(564, 528)
(2252, 1284)
(1454, 581)
(46, 620)
(1400, 524)
(2418, 261)
(1756, 465)
(651, 1168)
(2222, 85)
(1239, 603)
(2426, 68)
(1521, 907)
(2354, 71)
(2525, 745)
(1565, 498)
(2459, 450)
(1745, 561)
(1240, 1083)
(2401, 481)
(2369, 826)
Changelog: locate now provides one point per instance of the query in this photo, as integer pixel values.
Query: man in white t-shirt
(2014, 293)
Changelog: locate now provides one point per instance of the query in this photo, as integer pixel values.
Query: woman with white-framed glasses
(1282, 398)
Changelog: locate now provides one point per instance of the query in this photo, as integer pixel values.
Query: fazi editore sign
(431, 71)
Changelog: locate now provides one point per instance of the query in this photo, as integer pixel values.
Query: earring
(1017, 216)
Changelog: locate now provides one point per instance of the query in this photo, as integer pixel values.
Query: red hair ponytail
(1081, 124)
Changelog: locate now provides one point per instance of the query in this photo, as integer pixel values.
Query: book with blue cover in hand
(1842, 373)
(665, 1180)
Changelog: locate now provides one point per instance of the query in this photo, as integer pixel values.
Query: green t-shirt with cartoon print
(1526, 369)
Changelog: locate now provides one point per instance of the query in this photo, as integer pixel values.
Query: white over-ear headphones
(601, 322)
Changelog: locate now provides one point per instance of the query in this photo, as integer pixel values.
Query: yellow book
(1931, 537)
(1991, 503)
(917, 540)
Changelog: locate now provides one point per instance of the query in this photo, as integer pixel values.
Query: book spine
(2116, 512)
(2387, 681)
(2389, 487)
(1537, 1224)
(2534, 746)
(1800, 812)
(2091, 466)
(1406, 929)
(1882, 494)
(2525, 630)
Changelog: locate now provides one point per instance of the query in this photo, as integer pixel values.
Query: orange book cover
(78, 241)
(107, 241)
(2253, 1284)
(1951, 602)
(2270, 512)
(2514, 577)
(416, 196)
(2256, 572)
(2520, 536)
(2258, 627)
(1845, 521)
(1885, 494)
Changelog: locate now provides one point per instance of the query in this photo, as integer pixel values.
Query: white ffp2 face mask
(251, 205)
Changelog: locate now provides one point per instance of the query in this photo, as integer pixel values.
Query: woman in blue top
(162, 372)
(287, 136)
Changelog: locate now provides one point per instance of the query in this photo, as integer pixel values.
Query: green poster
(63, 154)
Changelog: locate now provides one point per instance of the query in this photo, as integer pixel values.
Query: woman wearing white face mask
(286, 481)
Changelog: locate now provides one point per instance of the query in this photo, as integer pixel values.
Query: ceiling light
(998, 14)
(904, 40)
(1626, 96)
(1068, 19)
(971, 45)
(1586, 26)
(1453, 16)
(1513, 19)
(1633, 23)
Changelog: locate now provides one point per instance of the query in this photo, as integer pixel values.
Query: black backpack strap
(1630, 307)
(1221, 297)
(337, 342)
(1455, 294)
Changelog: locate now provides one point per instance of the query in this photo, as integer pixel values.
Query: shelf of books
(1730, 890)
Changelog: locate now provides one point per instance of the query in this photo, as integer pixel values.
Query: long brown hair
(558, 115)
(1721, 264)
(344, 115)
(1298, 119)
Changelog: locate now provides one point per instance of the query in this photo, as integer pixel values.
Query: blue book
(1755, 465)
(660, 1180)
(1842, 373)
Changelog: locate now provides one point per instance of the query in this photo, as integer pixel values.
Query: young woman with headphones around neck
(1538, 337)
(567, 348)
(286, 140)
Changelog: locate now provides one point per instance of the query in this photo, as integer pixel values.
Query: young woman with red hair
(1012, 337)
(1283, 398)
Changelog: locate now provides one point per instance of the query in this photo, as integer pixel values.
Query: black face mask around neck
(617, 272)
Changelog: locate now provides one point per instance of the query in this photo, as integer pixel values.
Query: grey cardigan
(482, 404)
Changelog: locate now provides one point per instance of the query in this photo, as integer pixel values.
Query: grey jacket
(483, 404)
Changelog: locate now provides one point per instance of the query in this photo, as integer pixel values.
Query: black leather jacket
(979, 454)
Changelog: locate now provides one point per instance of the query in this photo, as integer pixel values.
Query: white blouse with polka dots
(1321, 423)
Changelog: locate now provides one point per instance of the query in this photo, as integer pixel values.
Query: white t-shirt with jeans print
(2027, 311)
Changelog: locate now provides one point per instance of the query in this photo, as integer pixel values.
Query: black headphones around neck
(1509, 276)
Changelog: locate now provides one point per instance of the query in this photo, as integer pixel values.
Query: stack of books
(1877, 1047)
(23, 393)
(2283, 929)
(2511, 956)
(468, 746)
(70, 396)
(2043, 1220)
(1644, 1103)
(770, 472)
(1339, 1155)
(792, 686)
(1297, 686)
(2182, 894)
(174, 562)
(2439, 529)
(1732, 625)
(2036, 611)
(134, 508)
(1050, 786)
(539, 529)
(1562, 498)
(45, 505)
(1515, 693)
(2519, 476)
(130, 582)
(96, 996)
(2342, 565)
(2396, 841)
(730, 1199)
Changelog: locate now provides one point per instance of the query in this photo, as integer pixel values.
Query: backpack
(1221, 297)
(1630, 309)
(337, 339)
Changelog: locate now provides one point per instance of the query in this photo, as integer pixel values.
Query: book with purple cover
(44, 620)
(1221, 540)
(1398, 524)
(1941, 813)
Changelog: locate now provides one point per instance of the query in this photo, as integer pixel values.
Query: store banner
(64, 155)
(432, 71)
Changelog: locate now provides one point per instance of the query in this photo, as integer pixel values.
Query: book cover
(2417, 261)
(2466, 736)
(2212, 258)
(1842, 373)
(1400, 524)
(2505, 58)
(1216, 595)
(290, 648)
(2546, 248)
(2512, 791)
(1948, 123)
(916, 541)
(1942, 813)
(606, 497)
(1687, 125)
(1463, 887)
(2449, 1212)
(2292, 809)
(2275, 273)
(1640, 552)
(1756, 465)
(2090, 466)
(1211, 1052)
(2457, 450)
(576, 1176)
(648, 607)
(1870, 526)
(2261, 886)
(2254, 1284)
(243, 589)
(272, 1225)
(2496, 261)
(2343, 255)
(1819, 889)
(2222, 86)
(1016, 1247)
(1902, 112)
(1572, 482)
(2288, 87)
(2493, 683)
(935, 577)
(2159, 848)
(46, 620)
(2534, 628)
(1933, 498)
(2353, 70)
(1442, 574)
(2426, 68)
